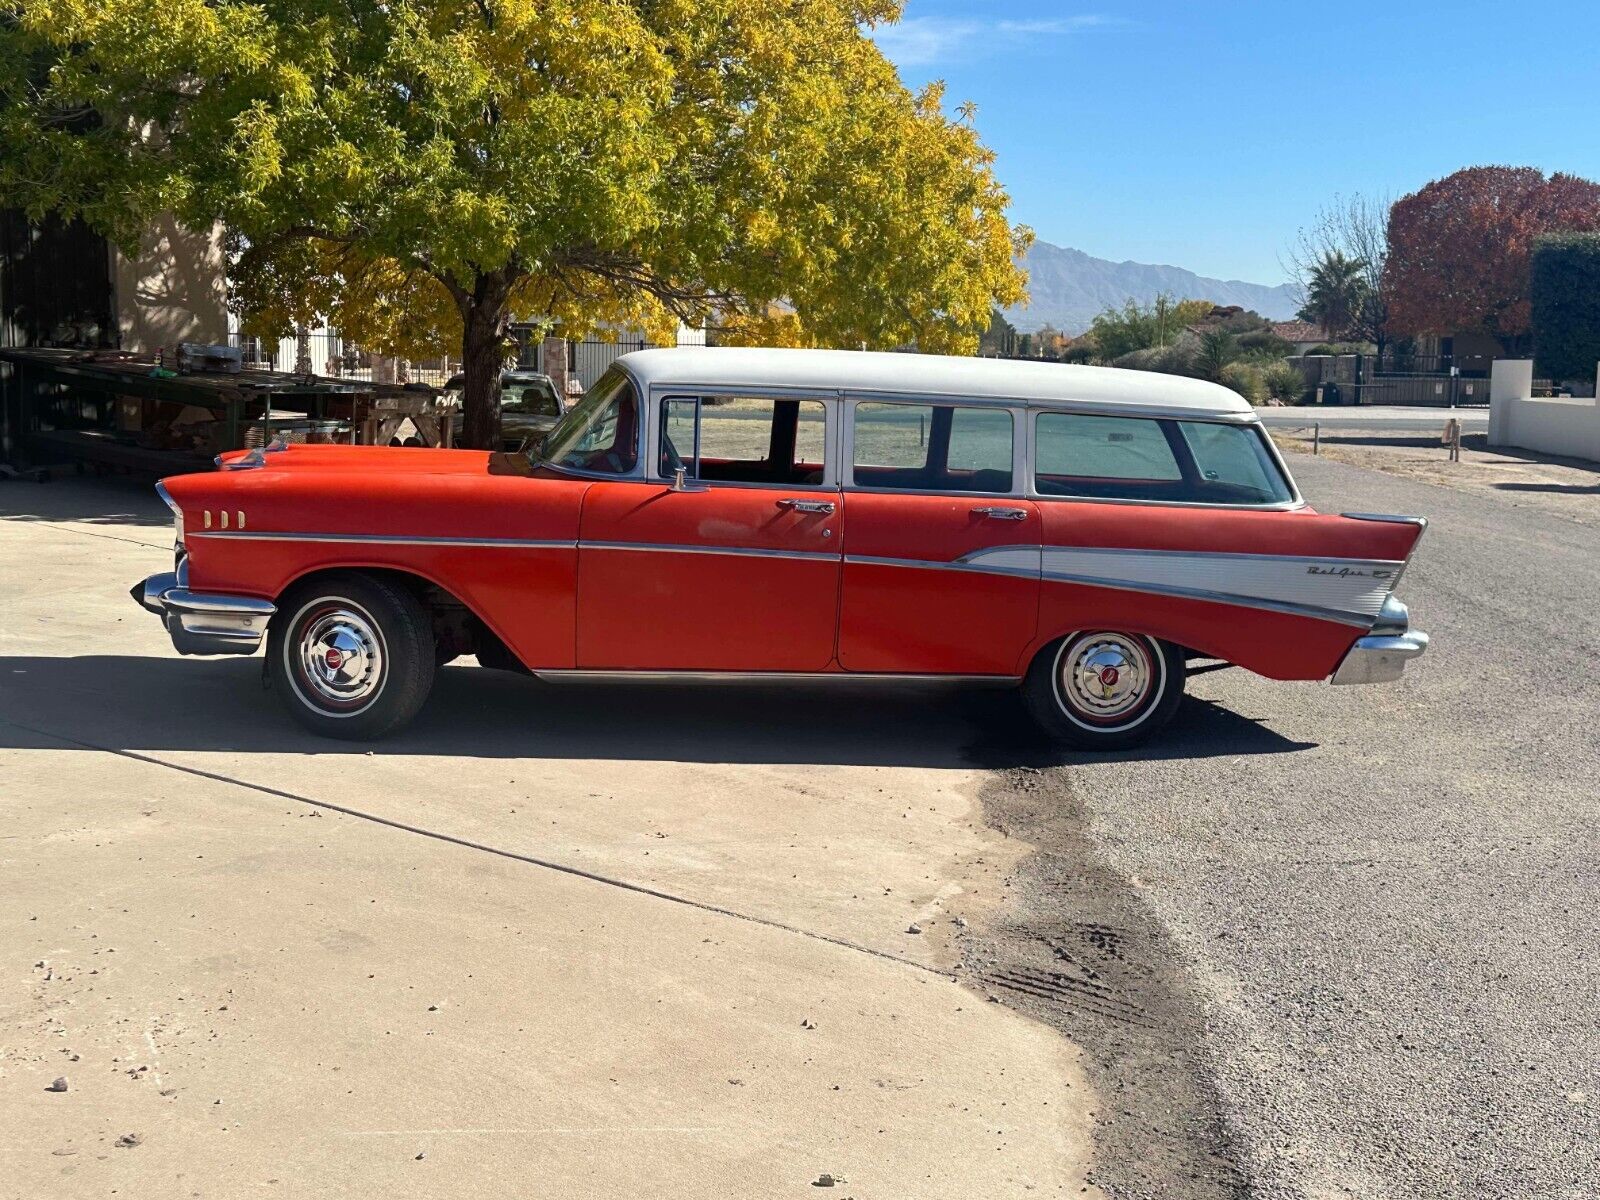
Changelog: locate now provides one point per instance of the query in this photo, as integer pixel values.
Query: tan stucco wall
(174, 291)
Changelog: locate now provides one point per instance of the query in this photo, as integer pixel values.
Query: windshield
(601, 433)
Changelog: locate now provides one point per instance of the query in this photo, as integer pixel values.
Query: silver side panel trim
(1215, 597)
(739, 551)
(386, 540)
(1020, 561)
(1348, 590)
(1389, 517)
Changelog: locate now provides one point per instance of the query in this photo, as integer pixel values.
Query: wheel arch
(429, 592)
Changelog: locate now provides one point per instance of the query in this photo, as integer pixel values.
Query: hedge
(1565, 288)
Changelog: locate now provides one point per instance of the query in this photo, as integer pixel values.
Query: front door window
(744, 439)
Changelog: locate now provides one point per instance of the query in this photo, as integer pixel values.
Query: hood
(395, 460)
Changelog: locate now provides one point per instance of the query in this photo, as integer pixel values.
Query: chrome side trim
(1380, 564)
(1389, 517)
(1294, 610)
(769, 676)
(738, 551)
(388, 540)
(966, 563)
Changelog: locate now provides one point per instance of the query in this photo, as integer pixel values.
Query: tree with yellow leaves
(424, 172)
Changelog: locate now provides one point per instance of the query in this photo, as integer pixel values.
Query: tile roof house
(1302, 335)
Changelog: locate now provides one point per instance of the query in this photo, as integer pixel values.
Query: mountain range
(1067, 288)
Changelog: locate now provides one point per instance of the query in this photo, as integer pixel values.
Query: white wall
(174, 291)
(1565, 426)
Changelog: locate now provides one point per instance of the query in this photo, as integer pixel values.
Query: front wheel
(1104, 689)
(352, 656)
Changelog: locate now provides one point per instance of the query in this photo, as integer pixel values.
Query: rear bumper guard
(204, 623)
(1381, 656)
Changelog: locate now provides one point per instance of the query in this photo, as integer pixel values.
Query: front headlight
(177, 513)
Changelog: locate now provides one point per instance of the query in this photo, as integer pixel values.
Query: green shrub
(1285, 383)
(1176, 359)
(1249, 381)
(1565, 288)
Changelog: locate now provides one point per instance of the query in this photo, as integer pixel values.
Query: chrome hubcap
(341, 657)
(1105, 676)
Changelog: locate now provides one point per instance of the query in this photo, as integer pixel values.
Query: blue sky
(1204, 136)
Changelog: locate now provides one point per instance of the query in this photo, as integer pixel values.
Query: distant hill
(1067, 288)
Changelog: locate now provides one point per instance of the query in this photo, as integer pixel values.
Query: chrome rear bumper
(201, 623)
(1381, 656)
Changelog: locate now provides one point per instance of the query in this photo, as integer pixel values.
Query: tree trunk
(482, 349)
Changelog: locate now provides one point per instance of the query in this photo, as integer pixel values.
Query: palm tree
(1335, 293)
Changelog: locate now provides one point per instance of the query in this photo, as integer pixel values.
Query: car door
(941, 569)
(732, 567)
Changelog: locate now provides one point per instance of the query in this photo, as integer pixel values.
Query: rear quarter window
(1145, 458)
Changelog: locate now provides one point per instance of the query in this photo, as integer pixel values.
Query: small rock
(421, 1154)
(64, 1151)
(129, 1140)
(913, 928)
(60, 1085)
(433, 1008)
(827, 1180)
(807, 1023)
(961, 922)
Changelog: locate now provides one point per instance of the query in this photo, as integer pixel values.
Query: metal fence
(326, 353)
(1415, 380)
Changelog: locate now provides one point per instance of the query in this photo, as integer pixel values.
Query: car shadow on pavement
(129, 702)
(115, 500)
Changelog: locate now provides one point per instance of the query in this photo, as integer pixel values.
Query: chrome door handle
(807, 506)
(1002, 514)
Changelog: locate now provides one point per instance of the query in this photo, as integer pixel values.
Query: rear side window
(933, 447)
(1140, 458)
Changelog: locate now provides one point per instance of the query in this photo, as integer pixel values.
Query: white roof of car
(933, 375)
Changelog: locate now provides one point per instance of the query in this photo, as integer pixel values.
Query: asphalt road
(1341, 942)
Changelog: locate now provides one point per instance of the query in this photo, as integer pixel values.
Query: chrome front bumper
(1381, 656)
(199, 623)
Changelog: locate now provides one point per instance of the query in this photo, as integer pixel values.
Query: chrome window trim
(1033, 493)
(854, 399)
(1091, 408)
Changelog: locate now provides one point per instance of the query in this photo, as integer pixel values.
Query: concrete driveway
(578, 941)
(1316, 943)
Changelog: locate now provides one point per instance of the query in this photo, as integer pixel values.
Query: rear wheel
(1104, 689)
(351, 655)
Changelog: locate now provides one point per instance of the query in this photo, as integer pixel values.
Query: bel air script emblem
(1346, 572)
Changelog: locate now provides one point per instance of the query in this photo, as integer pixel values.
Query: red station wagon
(1082, 533)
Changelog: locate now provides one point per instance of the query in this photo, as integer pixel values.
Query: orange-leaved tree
(1459, 248)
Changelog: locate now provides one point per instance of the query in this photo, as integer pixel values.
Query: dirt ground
(1565, 487)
